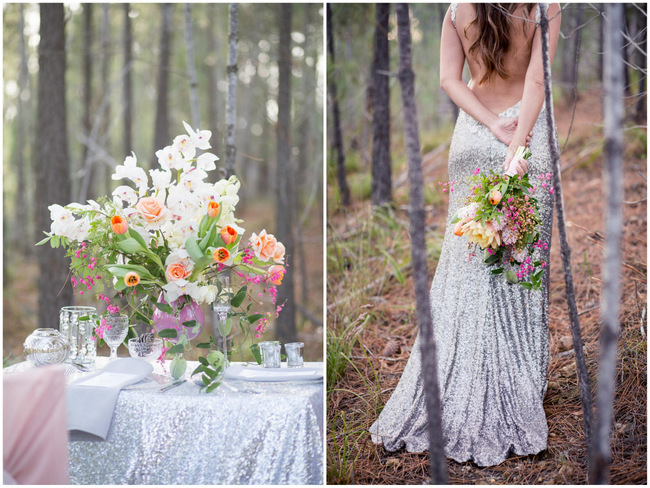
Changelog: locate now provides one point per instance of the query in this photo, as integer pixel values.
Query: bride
(491, 336)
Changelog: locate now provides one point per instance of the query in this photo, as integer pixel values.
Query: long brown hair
(494, 22)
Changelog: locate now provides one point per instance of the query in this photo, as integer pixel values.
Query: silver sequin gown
(491, 337)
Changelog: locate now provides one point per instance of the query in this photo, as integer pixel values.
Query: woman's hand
(522, 166)
(504, 130)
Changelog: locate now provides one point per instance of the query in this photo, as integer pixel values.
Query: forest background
(128, 88)
(370, 298)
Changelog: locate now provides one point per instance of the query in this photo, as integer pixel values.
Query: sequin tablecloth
(242, 433)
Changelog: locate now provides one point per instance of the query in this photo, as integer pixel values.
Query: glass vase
(183, 312)
(77, 326)
(46, 346)
(221, 309)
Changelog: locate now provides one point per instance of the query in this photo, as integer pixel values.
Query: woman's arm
(533, 96)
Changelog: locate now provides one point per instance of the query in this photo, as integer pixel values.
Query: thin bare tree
(106, 123)
(191, 70)
(53, 175)
(88, 77)
(231, 100)
(381, 171)
(337, 138)
(565, 250)
(128, 85)
(419, 250)
(613, 86)
(161, 136)
(286, 327)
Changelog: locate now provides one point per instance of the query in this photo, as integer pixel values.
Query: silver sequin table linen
(264, 433)
(491, 337)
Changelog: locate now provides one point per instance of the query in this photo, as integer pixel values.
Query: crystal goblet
(117, 327)
(147, 350)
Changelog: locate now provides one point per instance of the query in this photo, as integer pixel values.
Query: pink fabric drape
(35, 449)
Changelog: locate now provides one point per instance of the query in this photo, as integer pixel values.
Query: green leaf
(224, 330)
(212, 387)
(206, 379)
(203, 345)
(120, 270)
(198, 369)
(164, 307)
(527, 286)
(131, 246)
(255, 349)
(239, 297)
(254, 318)
(193, 249)
(141, 316)
(203, 361)
(189, 323)
(178, 348)
(168, 333)
(497, 271)
(40, 243)
(208, 238)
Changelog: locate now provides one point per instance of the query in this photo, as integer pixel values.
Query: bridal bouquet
(161, 241)
(501, 216)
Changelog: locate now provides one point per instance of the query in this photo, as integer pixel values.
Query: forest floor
(371, 331)
(20, 290)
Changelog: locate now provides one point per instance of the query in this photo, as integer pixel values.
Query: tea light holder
(294, 354)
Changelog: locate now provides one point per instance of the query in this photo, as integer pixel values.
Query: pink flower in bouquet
(176, 271)
(213, 209)
(495, 198)
(150, 208)
(276, 273)
(264, 245)
(119, 224)
(278, 254)
(228, 235)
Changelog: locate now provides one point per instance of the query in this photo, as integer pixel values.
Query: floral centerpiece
(501, 216)
(159, 244)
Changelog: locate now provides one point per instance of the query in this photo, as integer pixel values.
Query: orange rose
(263, 245)
(151, 208)
(495, 198)
(278, 254)
(276, 273)
(229, 235)
(131, 278)
(119, 224)
(221, 255)
(458, 228)
(213, 209)
(176, 271)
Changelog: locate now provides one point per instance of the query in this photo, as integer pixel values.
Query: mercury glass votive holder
(270, 354)
(294, 354)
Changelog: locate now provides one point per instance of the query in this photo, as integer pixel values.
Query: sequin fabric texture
(261, 434)
(491, 336)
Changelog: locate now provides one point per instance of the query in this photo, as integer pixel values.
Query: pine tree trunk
(161, 137)
(381, 171)
(231, 100)
(613, 181)
(337, 135)
(641, 111)
(88, 77)
(286, 324)
(191, 70)
(53, 175)
(565, 250)
(418, 249)
(213, 76)
(127, 88)
(570, 56)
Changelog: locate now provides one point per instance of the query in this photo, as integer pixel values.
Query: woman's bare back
(498, 94)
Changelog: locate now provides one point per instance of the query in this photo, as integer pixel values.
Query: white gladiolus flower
(206, 161)
(130, 170)
(200, 138)
(184, 145)
(170, 158)
(126, 194)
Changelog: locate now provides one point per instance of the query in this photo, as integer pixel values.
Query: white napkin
(259, 373)
(91, 400)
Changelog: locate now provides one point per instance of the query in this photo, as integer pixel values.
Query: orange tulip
(229, 235)
(495, 198)
(221, 255)
(119, 224)
(213, 209)
(131, 278)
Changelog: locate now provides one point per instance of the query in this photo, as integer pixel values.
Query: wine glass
(117, 326)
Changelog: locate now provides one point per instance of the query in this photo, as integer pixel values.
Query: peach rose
(221, 255)
(213, 209)
(119, 224)
(278, 255)
(176, 271)
(276, 273)
(495, 198)
(264, 245)
(131, 278)
(229, 235)
(151, 208)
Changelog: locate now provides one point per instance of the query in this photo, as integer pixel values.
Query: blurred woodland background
(132, 73)
(370, 298)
